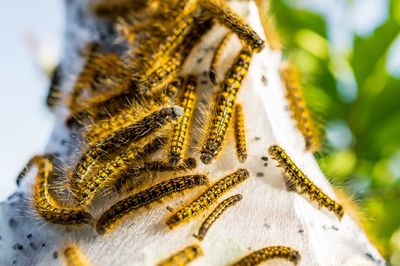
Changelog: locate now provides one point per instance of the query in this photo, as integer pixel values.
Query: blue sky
(32, 33)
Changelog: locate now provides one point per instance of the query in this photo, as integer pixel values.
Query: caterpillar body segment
(268, 253)
(224, 106)
(111, 171)
(122, 208)
(74, 257)
(216, 213)
(179, 140)
(240, 133)
(183, 257)
(47, 207)
(208, 198)
(303, 183)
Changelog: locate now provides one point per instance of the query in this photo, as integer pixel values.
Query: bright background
(348, 53)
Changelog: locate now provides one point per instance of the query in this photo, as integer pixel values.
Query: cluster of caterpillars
(131, 107)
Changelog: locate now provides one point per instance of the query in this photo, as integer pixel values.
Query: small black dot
(301, 231)
(260, 174)
(205, 73)
(14, 262)
(265, 164)
(29, 236)
(18, 246)
(334, 227)
(264, 158)
(55, 255)
(257, 138)
(12, 223)
(199, 60)
(43, 244)
(264, 80)
(204, 82)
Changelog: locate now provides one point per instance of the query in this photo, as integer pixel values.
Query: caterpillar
(240, 133)
(183, 257)
(74, 257)
(31, 163)
(217, 56)
(268, 253)
(221, 12)
(224, 105)
(117, 8)
(216, 213)
(298, 106)
(123, 132)
(208, 197)
(47, 207)
(121, 209)
(301, 181)
(157, 166)
(179, 140)
(111, 171)
(53, 96)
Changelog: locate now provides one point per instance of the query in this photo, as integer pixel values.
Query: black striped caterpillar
(302, 182)
(121, 209)
(216, 213)
(208, 198)
(183, 257)
(268, 253)
(240, 133)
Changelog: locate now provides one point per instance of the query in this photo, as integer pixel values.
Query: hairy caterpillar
(240, 133)
(123, 132)
(74, 257)
(122, 208)
(47, 207)
(269, 253)
(179, 140)
(220, 11)
(298, 178)
(217, 56)
(298, 106)
(208, 197)
(183, 257)
(157, 166)
(224, 105)
(111, 171)
(216, 213)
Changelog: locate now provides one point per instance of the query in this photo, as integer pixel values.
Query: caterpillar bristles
(183, 257)
(303, 183)
(122, 208)
(74, 257)
(224, 105)
(268, 253)
(216, 213)
(208, 198)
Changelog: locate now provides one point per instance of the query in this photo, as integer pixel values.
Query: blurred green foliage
(359, 101)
